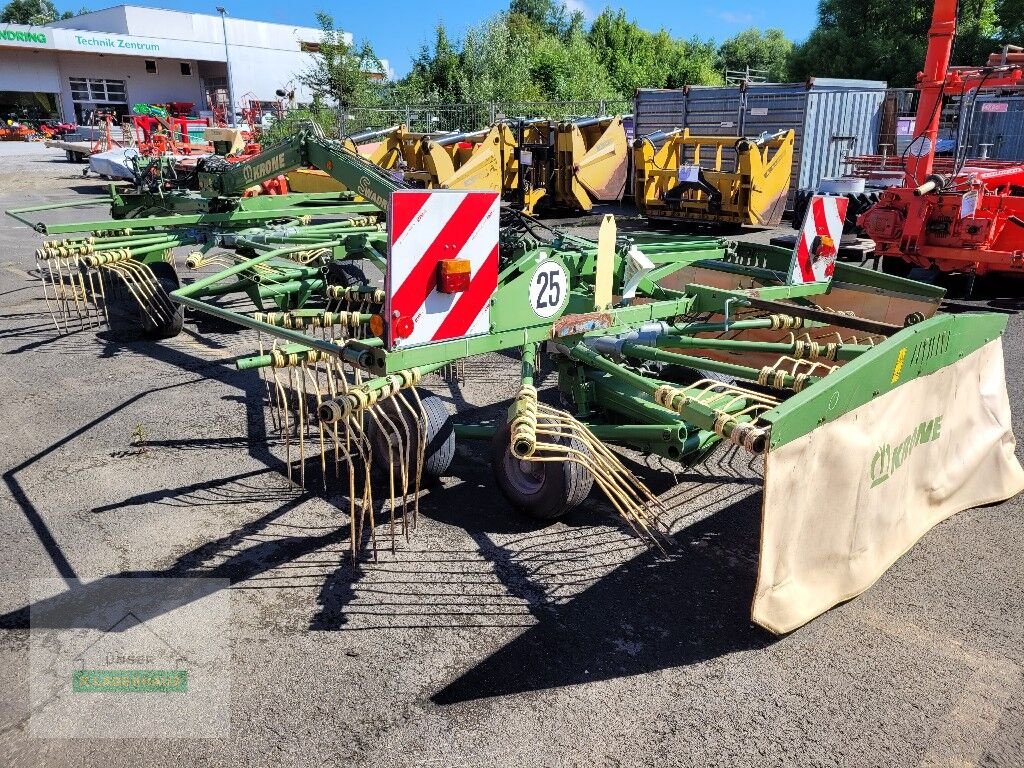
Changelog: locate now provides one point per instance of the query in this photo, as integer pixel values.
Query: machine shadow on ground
(665, 614)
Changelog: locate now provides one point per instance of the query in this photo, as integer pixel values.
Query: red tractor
(969, 219)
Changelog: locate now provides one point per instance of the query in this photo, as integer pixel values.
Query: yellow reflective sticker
(899, 365)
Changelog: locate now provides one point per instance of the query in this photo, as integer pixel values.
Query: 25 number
(549, 284)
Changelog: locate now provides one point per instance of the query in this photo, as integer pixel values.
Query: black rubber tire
(384, 437)
(212, 164)
(554, 489)
(167, 279)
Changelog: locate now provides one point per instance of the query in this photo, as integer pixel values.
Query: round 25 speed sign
(549, 289)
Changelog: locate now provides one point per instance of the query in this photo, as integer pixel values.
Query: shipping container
(832, 118)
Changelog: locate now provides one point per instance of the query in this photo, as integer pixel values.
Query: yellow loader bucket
(713, 179)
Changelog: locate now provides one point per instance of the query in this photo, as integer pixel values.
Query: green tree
(436, 75)
(885, 40)
(495, 62)
(32, 12)
(343, 72)
(636, 58)
(547, 15)
(768, 51)
(566, 70)
(695, 62)
(1010, 22)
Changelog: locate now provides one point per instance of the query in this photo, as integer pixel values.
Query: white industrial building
(121, 56)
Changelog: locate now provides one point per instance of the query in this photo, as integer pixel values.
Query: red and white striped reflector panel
(817, 245)
(426, 227)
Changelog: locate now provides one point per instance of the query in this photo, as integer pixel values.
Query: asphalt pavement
(486, 638)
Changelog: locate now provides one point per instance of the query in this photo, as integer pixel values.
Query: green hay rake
(849, 386)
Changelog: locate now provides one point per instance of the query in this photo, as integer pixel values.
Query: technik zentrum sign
(85, 40)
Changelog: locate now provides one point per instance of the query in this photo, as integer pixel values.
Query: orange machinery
(970, 218)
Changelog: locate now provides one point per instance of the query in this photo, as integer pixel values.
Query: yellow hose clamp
(194, 260)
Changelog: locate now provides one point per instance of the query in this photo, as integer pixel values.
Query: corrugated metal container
(659, 109)
(996, 128)
(831, 117)
(714, 111)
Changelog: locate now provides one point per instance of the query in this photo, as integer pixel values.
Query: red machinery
(971, 218)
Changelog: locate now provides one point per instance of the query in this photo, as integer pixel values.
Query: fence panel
(427, 118)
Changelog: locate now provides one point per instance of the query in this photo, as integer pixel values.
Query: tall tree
(768, 51)
(695, 62)
(567, 70)
(342, 72)
(637, 58)
(32, 12)
(1010, 22)
(547, 15)
(886, 40)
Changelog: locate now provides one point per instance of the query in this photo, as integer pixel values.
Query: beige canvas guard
(844, 502)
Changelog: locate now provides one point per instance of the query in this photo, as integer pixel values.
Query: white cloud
(578, 5)
(736, 17)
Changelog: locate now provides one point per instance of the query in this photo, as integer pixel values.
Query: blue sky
(396, 29)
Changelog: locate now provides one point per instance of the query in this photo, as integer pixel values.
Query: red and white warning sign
(443, 265)
(817, 245)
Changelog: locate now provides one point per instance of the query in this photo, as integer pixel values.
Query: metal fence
(991, 125)
(427, 118)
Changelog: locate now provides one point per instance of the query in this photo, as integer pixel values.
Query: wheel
(390, 437)
(542, 489)
(69, 155)
(167, 279)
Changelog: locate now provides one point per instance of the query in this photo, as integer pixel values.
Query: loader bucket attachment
(862, 464)
(593, 159)
(713, 179)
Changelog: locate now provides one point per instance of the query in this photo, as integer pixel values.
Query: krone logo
(262, 170)
(887, 459)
